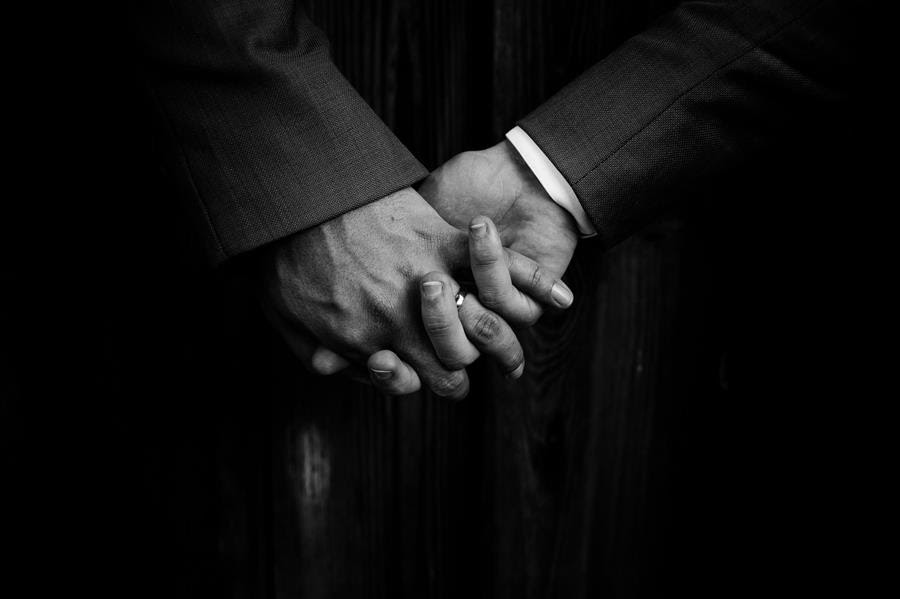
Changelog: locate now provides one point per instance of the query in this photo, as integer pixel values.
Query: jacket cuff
(261, 166)
(550, 179)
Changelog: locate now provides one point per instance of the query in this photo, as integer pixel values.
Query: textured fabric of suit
(269, 137)
(690, 98)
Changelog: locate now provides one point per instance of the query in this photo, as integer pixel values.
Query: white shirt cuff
(551, 179)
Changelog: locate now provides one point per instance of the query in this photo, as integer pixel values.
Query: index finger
(509, 283)
(441, 319)
(492, 278)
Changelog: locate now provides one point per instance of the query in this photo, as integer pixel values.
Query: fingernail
(562, 295)
(478, 229)
(382, 374)
(517, 372)
(432, 289)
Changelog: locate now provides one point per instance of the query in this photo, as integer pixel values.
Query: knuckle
(486, 252)
(514, 363)
(437, 327)
(537, 277)
(487, 327)
(447, 384)
(484, 257)
(516, 358)
(490, 296)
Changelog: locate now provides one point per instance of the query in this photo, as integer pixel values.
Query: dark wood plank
(549, 486)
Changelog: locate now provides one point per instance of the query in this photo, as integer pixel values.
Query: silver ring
(460, 298)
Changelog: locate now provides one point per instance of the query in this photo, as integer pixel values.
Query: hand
(540, 238)
(352, 284)
(496, 183)
(458, 332)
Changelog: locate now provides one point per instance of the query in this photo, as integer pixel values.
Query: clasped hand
(378, 285)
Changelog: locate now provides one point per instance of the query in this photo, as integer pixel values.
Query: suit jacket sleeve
(689, 98)
(268, 137)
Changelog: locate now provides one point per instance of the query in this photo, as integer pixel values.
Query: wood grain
(544, 487)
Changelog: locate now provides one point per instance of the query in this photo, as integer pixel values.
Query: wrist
(550, 178)
(506, 153)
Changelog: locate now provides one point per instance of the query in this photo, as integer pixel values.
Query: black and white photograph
(421, 299)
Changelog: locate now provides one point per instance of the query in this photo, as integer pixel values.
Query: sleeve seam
(754, 47)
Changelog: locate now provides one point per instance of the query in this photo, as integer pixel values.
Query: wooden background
(671, 436)
(557, 485)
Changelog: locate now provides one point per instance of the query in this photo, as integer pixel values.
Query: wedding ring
(460, 298)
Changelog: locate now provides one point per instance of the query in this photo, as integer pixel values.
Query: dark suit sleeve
(268, 137)
(708, 85)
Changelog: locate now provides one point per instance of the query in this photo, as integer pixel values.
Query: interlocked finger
(492, 277)
(452, 384)
(492, 335)
(441, 320)
(536, 282)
